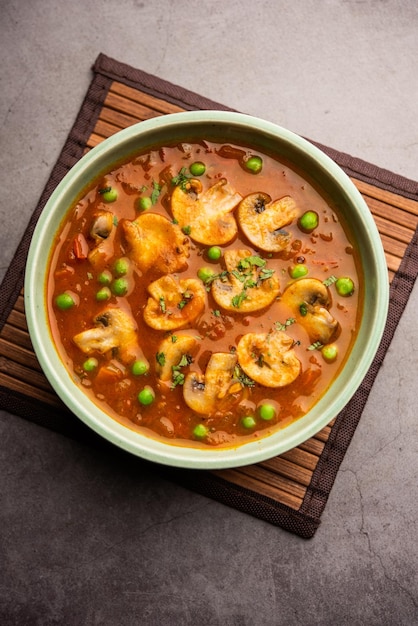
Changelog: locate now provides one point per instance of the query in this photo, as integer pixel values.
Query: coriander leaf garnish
(162, 304)
(177, 377)
(245, 380)
(265, 274)
(156, 190)
(223, 276)
(329, 281)
(288, 322)
(316, 345)
(187, 297)
(181, 179)
(239, 299)
(160, 357)
(250, 261)
(303, 309)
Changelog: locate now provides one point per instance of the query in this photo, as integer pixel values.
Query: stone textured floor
(86, 541)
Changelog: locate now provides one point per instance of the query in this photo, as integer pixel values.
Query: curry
(203, 293)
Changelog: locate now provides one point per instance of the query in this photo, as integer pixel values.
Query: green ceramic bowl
(226, 127)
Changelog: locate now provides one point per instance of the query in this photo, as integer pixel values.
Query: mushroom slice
(263, 220)
(204, 393)
(174, 303)
(102, 225)
(102, 231)
(170, 354)
(250, 286)
(155, 242)
(207, 214)
(309, 301)
(114, 329)
(269, 358)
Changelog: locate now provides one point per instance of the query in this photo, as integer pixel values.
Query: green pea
(110, 195)
(146, 396)
(139, 368)
(344, 286)
(197, 168)
(330, 352)
(90, 364)
(267, 412)
(64, 301)
(120, 287)
(308, 221)
(121, 266)
(214, 253)
(144, 203)
(105, 277)
(254, 164)
(248, 421)
(200, 431)
(205, 273)
(298, 270)
(103, 294)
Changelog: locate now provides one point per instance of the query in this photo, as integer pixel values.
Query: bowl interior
(320, 171)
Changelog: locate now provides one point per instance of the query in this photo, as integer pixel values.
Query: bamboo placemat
(292, 489)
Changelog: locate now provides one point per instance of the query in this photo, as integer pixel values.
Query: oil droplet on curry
(192, 294)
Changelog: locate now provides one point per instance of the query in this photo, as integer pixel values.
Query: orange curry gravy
(85, 261)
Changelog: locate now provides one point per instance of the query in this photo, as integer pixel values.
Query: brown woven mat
(290, 490)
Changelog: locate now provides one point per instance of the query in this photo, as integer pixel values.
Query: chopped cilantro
(239, 299)
(160, 357)
(317, 345)
(250, 261)
(156, 190)
(177, 379)
(173, 338)
(187, 230)
(245, 380)
(303, 309)
(265, 274)
(288, 322)
(162, 304)
(187, 296)
(223, 277)
(181, 179)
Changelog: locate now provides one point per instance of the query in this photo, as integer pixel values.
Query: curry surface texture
(203, 293)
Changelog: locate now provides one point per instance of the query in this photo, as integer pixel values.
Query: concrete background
(83, 542)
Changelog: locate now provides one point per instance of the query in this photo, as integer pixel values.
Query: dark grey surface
(92, 538)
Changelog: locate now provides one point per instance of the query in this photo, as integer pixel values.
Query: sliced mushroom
(155, 242)
(114, 329)
(172, 354)
(174, 303)
(263, 220)
(207, 214)
(204, 393)
(102, 231)
(102, 225)
(269, 358)
(309, 301)
(250, 285)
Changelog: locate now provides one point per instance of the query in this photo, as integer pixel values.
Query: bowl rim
(141, 445)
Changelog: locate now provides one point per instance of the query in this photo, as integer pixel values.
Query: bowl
(226, 127)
